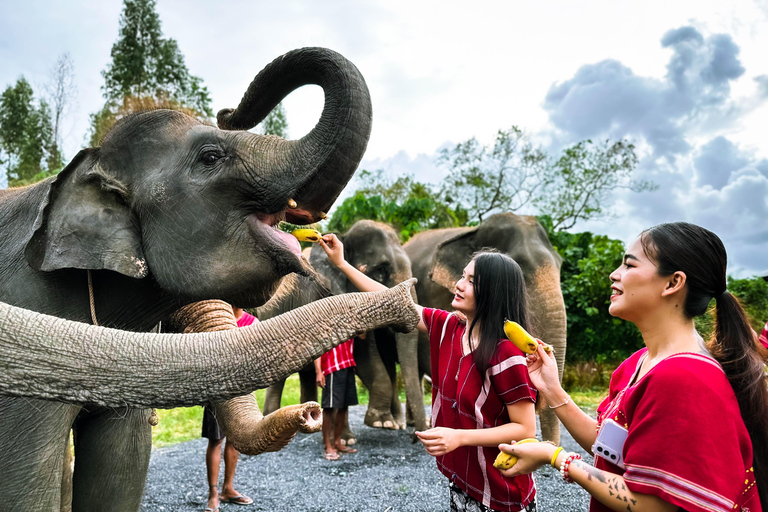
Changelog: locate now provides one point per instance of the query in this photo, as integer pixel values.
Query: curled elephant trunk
(239, 418)
(331, 151)
(50, 358)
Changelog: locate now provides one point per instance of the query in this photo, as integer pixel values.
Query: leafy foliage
(407, 205)
(578, 186)
(485, 180)
(27, 146)
(276, 122)
(588, 260)
(146, 67)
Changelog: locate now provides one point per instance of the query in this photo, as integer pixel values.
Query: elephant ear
(452, 256)
(336, 280)
(85, 223)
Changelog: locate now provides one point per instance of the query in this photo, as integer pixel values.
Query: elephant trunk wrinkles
(239, 418)
(332, 149)
(51, 358)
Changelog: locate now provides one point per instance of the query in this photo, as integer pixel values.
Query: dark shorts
(211, 428)
(340, 390)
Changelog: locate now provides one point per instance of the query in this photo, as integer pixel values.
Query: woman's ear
(674, 284)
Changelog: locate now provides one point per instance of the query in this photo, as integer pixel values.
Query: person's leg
(212, 463)
(341, 419)
(228, 492)
(330, 451)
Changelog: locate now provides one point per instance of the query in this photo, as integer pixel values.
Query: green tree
(407, 205)
(492, 179)
(26, 135)
(579, 184)
(146, 67)
(276, 122)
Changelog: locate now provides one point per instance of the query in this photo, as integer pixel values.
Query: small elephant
(168, 211)
(374, 249)
(439, 256)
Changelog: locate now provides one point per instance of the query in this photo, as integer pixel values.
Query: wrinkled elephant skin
(166, 212)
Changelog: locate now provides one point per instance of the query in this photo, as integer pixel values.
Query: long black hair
(499, 288)
(700, 254)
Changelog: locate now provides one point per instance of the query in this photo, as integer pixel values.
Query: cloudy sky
(686, 81)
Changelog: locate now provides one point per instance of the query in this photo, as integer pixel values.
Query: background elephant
(373, 248)
(166, 212)
(439, 256)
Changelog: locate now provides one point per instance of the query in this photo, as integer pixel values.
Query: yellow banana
(505, 460)
(307, 235)
(522, 340)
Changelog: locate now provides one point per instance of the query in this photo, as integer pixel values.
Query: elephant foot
(380, 419)
(348, 437)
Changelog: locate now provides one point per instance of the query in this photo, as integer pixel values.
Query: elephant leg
(407, 353)
(273, 397)
(32, 437)
(308, 383)
(112, 448)
(373, 373)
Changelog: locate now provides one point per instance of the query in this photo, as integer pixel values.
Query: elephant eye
(210, 157)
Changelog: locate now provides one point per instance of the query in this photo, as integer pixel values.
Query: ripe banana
(306, 235)
(522, 340)
(505, 460)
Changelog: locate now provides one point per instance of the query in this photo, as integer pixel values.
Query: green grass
(185, 423)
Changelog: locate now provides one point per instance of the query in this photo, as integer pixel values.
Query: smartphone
(610, 443)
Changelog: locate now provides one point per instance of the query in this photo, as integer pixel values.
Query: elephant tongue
(290, 241)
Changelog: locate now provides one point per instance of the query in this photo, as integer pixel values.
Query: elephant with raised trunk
(168, 211)
(438, 257)
(374, 249)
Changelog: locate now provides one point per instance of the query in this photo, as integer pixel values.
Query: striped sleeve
(509, 374)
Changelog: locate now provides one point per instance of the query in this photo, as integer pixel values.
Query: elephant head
(441, 255)
(196, 206)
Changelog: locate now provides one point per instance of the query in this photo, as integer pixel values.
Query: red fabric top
(764, 336)
(338, 358)
(246, 320)
(687, 442)
(461, 400)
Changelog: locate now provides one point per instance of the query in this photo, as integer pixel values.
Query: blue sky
(686, 81)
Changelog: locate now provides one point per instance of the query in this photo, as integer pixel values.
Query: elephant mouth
(264, 227)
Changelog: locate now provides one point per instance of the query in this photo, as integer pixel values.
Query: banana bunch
(307, 235)
(522, 340)
(505, 460)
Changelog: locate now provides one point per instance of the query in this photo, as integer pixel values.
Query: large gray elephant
(374, 249)
(168, 211)
(439, 256)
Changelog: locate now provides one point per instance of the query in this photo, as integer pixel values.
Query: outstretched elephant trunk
(50, 358)
(331, 150)
(239, 418)
(549, 324)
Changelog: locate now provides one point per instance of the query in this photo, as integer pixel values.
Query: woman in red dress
(481, 392)
(695, 414)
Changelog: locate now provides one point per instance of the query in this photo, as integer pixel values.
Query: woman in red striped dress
(695, 414)
(481, 392)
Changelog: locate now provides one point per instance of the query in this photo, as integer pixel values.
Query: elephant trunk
(239, 418)
(549, 324)
(51, 358)
(328, 156)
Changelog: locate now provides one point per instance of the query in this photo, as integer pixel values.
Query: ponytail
(735, 348)
(701, 256)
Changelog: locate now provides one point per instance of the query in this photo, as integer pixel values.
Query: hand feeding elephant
(373, 248)
(166, 212)
(438, 257)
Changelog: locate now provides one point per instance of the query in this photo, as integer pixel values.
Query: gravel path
(388, 474)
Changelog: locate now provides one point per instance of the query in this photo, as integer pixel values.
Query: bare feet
(345, 449)
(213, 500)
(235, 498)
(331, 455)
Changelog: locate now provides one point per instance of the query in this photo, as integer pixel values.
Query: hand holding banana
(522, 340)
(505, 460)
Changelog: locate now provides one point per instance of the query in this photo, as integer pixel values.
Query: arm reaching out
(335, 251)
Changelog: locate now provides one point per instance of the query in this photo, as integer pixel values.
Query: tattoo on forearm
(591, 471)
(616, 487)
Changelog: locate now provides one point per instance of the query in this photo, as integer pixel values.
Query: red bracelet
(566, 464)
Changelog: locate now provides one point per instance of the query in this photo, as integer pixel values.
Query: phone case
(610, 443)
